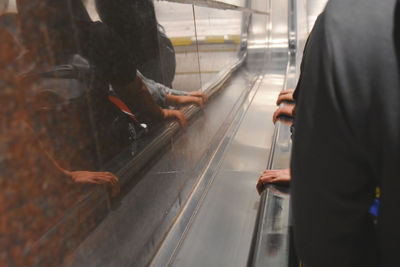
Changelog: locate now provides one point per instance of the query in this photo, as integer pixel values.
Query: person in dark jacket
(347, 138)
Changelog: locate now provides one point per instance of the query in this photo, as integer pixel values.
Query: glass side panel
(218, 40)
(91, 94)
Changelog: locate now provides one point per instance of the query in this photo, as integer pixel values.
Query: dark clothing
(396, 31)
(52, 25)
(35, 196)
(135, 22)
(109, 55)
(347, 138)
(56, 29)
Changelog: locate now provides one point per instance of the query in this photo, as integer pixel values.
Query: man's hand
(171, 113)
(199, 94)
(273, 176)
(287, 110)
(285, 95)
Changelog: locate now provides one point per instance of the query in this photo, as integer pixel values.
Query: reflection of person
(104, 49)
(346, 141)
(165, 96)
(36, 192)
(136, 23)
(3, 5)
(10, 51)
(88, 177)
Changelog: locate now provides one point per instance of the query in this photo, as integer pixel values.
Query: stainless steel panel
(178, 22)
(177, 232)
(272, 240)
(221, 231)
(138, 224)
(218, 40)
(238, 5)
(146, 211)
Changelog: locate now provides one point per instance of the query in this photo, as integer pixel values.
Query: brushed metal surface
(272, 240)
(221, 232)
(272, 235)
(182, 224)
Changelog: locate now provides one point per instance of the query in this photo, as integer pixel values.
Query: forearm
(171, 91)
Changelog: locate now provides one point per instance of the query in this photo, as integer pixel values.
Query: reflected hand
(94, 177)
(199, 94)
(113, 190)
(106, 178)
(197, 101)
(171, 113)
(273, 176)
(285, 95)
(287, 110)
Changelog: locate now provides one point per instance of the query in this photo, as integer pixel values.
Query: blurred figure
(47, 26)
(346, 141)
(16, 96)
(36, 189)
(136, 23)
(165, 96)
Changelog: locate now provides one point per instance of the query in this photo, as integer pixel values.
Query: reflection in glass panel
(218, 39)
(178, 23)
(75, 114)
(239, 3)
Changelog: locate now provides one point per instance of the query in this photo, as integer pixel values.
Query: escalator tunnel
(187, 194)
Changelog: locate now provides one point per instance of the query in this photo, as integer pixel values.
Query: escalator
(188, 195)
(200, 208)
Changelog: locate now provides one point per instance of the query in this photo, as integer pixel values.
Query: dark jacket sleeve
(347, 138)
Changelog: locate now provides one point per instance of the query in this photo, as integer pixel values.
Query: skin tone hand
(106, 178)
(93, 177)
(199, 94)
(287, 110)
(175, 100)
(285, 95)
(196, 100)
(171, 113)
(273, 177)
(100, 178)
